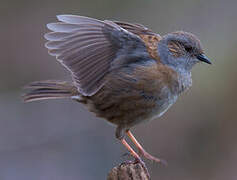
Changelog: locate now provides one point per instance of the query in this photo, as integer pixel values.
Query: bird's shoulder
(147, 36)
(151, 43)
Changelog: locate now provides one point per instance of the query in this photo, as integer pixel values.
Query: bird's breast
(164, 101)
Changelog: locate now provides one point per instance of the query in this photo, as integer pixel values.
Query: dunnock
(122, 72)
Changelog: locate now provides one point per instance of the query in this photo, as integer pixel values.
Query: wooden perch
(129, 171)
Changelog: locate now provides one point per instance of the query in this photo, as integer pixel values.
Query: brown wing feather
(84, 46)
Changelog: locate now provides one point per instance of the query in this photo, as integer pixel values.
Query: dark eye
(188, 48)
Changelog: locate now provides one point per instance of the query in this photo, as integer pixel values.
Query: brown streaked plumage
(122, 72)
(151, 42)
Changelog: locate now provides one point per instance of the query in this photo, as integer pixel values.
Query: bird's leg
(135, 155)
(120, 134)
(142, 150)
(132, 152)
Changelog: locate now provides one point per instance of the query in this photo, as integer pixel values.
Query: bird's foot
(152, 158)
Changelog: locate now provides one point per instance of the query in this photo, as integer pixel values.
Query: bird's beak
(203, 58)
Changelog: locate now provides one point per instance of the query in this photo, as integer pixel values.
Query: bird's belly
(162, 105)
(137, 109)
(161, 108)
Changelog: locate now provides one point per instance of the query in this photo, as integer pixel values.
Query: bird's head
(181, 50)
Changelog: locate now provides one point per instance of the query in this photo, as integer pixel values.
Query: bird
(122, 72)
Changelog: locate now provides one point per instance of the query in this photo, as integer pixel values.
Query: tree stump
(129, 171)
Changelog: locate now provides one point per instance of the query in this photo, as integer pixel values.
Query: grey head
(181, 50)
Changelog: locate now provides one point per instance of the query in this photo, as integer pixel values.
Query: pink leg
(133, 153)
(142, 150)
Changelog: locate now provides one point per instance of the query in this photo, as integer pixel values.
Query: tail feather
(49, 89)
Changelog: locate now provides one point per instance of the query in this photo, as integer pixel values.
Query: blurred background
(60, 139)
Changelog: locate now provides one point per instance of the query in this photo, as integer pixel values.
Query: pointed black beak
(203, 58)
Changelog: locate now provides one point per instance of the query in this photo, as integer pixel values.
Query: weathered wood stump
(129, 171)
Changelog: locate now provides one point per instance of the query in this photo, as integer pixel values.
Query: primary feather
(87, 47)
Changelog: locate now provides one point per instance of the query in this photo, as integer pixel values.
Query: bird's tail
(50, 89)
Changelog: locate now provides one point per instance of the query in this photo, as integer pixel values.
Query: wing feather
(87, 46)
(137, 29)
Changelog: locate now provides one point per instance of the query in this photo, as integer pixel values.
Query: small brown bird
(122, 72)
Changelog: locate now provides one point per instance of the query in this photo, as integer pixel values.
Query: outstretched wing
(87, 47)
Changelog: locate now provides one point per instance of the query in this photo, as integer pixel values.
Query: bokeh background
(60, 139)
